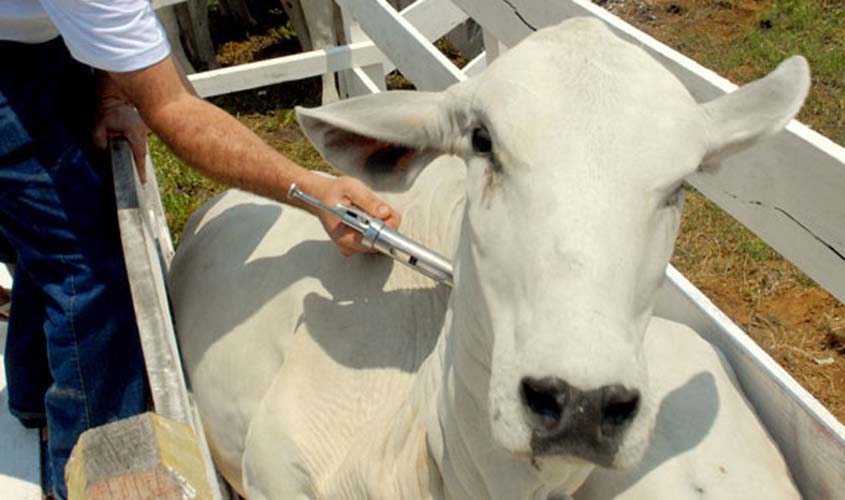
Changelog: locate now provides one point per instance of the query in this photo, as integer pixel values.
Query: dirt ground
(796, 322)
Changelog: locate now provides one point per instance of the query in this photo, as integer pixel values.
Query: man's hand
(348, 191)
(116, 117)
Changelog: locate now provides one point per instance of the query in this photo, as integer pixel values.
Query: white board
(285, 69)
(406, 47)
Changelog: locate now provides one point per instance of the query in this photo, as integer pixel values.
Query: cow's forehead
(582, 61)
(578, 88)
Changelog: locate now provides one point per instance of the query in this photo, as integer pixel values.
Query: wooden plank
(787, 190)
(476, 66)
(284, 69)
(363, 84)
(158, 4)
(406, 47)
(147, 251)
(156, 217)
(319, 62)
(366, 79)
(167, 18)
(193, 21)
(145, 456)
(492, 46)
(434, 18)
(811, 439)
(20, 468)
(146, 281)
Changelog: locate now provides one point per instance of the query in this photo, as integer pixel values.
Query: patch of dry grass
(796, 322)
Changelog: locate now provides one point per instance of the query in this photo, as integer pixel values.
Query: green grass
(816, 30)
(182, 189)
(744, 40)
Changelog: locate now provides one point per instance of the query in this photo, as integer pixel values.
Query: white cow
(554, 182)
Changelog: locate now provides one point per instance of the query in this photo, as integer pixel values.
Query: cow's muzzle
(567, 421)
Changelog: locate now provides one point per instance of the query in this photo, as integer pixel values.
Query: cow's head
(576, 145)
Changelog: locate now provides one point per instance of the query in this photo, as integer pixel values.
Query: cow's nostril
(543, 399)
(620, 408)
(566, 420)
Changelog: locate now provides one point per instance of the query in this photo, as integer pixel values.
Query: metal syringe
(384, 239)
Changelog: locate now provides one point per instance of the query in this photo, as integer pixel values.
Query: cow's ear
(756, 110)
(382, 139)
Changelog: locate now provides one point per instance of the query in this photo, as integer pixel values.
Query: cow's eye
(481, 142)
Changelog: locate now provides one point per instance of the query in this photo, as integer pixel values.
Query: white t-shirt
(112, 35)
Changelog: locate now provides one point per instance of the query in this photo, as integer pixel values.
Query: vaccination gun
(379, 236)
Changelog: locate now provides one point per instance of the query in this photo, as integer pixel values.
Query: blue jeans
(73, 356)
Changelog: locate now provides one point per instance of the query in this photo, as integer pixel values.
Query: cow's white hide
(707, 443)
(319, 376)
(274, 316)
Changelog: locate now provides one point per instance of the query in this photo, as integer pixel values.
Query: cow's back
(262, 299)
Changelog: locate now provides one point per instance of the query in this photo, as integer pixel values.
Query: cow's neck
(458, 433)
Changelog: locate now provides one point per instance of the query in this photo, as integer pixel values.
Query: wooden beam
(406, 47)
(158, 4)
(476, 66)
(787, 190)
(285, 69)
(492, 46)
(319, 62)
(146, 280)
(193, 23)
(365, 79)
(147, 250)
(362, 84)
(434, 18)
(146, 456)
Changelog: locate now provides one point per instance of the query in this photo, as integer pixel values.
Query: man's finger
(99, 138)
(368, 201)
(349, 241)
(394, 220)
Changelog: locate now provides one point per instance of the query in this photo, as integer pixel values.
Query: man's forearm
(215, 143)
(206, 137)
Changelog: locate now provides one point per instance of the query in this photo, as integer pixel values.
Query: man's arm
(216, 144)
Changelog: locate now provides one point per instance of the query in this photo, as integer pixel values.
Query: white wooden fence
(789, 191)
